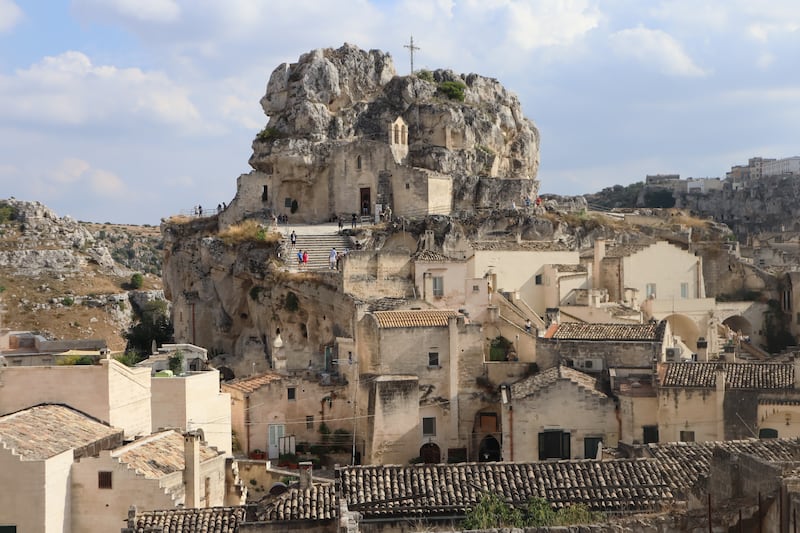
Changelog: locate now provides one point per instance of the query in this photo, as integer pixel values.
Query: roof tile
(738, 375)
(579, 331)
(424, 318)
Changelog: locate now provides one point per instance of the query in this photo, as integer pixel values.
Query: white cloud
(68, 89)
(78, 174)
(10, 15)
(160, 11)
(549, 22)
(654, 47)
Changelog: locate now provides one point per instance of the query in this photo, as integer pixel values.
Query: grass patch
(246, 231)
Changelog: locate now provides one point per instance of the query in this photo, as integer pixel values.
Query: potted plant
(258, 454)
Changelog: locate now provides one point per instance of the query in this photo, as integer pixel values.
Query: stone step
(318, 248)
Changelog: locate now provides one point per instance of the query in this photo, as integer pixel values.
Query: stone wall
(621, 353)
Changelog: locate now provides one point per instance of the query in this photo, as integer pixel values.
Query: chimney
(306, 469)
(191, 469)
(599, 255)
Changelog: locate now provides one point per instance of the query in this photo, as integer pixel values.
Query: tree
(153, 325)
(137, 280)
(454, 90)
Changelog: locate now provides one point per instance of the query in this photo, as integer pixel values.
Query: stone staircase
(318, 247)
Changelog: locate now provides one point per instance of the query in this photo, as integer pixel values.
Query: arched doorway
(489, 450)
(430, 454)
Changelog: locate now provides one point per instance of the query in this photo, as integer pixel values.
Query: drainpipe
(511, 432)
(247, 421)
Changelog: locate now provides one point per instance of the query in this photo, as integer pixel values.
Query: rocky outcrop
(332, 114)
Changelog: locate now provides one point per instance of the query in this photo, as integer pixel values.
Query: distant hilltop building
(346, 135)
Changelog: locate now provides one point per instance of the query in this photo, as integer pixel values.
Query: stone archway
(739, 324)
(489, 450)
(685, 328)
(430, 453)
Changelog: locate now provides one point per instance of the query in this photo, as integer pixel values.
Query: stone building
(273, 412)
(559, 413)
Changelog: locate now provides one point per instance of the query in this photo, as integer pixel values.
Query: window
(104, 480)
(309, 422)
(554, 444)
(590, 446)
(429, 426)
(287, 202)
(291, 393)
(488, 422)
(433, 359)
(684, 290)
(538, 279)
(767, 433)
(408, 186)
(650, 434)
(476, 288)
(687, 436)
(438, 286)
(265, 194)
(358, 163)
(651, 290)
(8, 529)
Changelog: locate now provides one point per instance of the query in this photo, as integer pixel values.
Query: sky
(130, 111)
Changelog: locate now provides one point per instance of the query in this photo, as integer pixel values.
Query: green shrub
(137, 280)
(7, 213)
(255, 291)
(425, 75)
(69, 360)
(176, 363)
(268, 134)
(67, 301)
(129, 358)
(454, 90)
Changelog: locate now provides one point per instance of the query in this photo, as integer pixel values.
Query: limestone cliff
(65, 279)
(346, 134)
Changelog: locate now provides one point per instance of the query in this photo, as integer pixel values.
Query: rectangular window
(684, 290)
(433, 359)
(8, 529)
(309, 422)
(104, 480)
(287, 202)
(538, 279)
(488, 422)
(429, 426)
(554, 444)
(590, 446)
(650, 434)
(651, 290)
(291, 393)
(438, 286)
(265, 194)
(687, 436)
(476, 288)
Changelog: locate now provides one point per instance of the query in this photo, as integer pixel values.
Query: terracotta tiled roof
(624, 250)
(683, 463)
(738, 375)
(541, 246)
(429, 256)
(580, 331)
(206, 520)
(424, 318)
(538, 382)
(41, 432)
(318, 502)
(428, 490)
(570, 268)
(159, 454)
(252, 383)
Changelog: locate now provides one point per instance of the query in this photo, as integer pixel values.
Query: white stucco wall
(667, 267)
(193, 401)
(109, 391)
(23, 504)
(516, 270)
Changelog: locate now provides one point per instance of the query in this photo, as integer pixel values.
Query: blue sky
(128, 111)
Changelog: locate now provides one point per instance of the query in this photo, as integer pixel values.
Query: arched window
(358, 163)
(396, 134)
